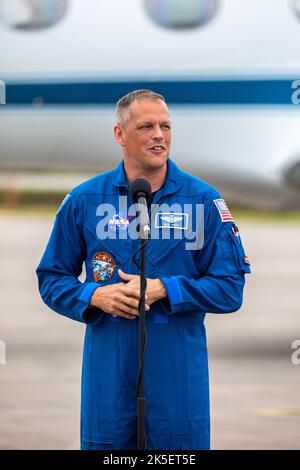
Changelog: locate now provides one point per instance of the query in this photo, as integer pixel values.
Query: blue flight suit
(209, 279)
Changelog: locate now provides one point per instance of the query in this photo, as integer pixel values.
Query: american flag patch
(223, 210)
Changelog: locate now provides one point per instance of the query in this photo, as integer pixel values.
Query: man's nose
(157, 133)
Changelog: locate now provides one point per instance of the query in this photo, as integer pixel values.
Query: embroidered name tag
(178, 220)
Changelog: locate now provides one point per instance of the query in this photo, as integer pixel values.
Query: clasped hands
(122, 299)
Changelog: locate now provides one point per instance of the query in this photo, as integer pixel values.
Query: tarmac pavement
(255, 401)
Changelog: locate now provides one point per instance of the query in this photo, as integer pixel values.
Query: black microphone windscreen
(140, 187)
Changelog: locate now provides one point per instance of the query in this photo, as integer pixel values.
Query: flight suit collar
(172, 183)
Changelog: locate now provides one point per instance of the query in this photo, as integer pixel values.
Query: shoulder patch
(223, 210)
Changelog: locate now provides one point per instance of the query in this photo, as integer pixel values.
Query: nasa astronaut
(182, 285)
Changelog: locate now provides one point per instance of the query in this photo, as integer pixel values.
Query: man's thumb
(126, 277)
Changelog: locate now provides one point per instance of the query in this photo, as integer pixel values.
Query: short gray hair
(123, 105)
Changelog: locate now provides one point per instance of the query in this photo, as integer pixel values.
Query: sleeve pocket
(241, 260)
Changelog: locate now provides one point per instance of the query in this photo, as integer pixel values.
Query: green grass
(45, 204)
(239, 215)
(269, 217)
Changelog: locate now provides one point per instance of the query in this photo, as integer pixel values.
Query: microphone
(140, 191)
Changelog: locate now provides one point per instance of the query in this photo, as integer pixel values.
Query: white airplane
(229, 70)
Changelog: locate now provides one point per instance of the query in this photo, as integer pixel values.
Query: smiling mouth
(157, 148)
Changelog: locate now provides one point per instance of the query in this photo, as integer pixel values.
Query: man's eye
(166, 126)
(145, 126)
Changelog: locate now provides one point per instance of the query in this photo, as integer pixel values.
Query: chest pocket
(160, 250)
(106, 255)
(117, 247)
(169, 247)
(172, 258)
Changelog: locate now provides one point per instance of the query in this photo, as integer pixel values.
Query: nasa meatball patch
(103, 267)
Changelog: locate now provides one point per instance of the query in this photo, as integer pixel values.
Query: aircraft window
(181, 14)
(32, 14)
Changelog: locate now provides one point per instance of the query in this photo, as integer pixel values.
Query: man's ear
(118, 131)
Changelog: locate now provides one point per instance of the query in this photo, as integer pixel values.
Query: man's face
(146, 138)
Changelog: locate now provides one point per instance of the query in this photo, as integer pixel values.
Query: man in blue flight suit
(182, 285)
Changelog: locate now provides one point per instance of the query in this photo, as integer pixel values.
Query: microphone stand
(140, 191)
(141, 400)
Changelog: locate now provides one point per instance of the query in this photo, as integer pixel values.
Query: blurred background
(230, 72)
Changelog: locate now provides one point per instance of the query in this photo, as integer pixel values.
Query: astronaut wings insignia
(171, 220)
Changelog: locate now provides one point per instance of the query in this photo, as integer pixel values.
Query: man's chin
(157, 161)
